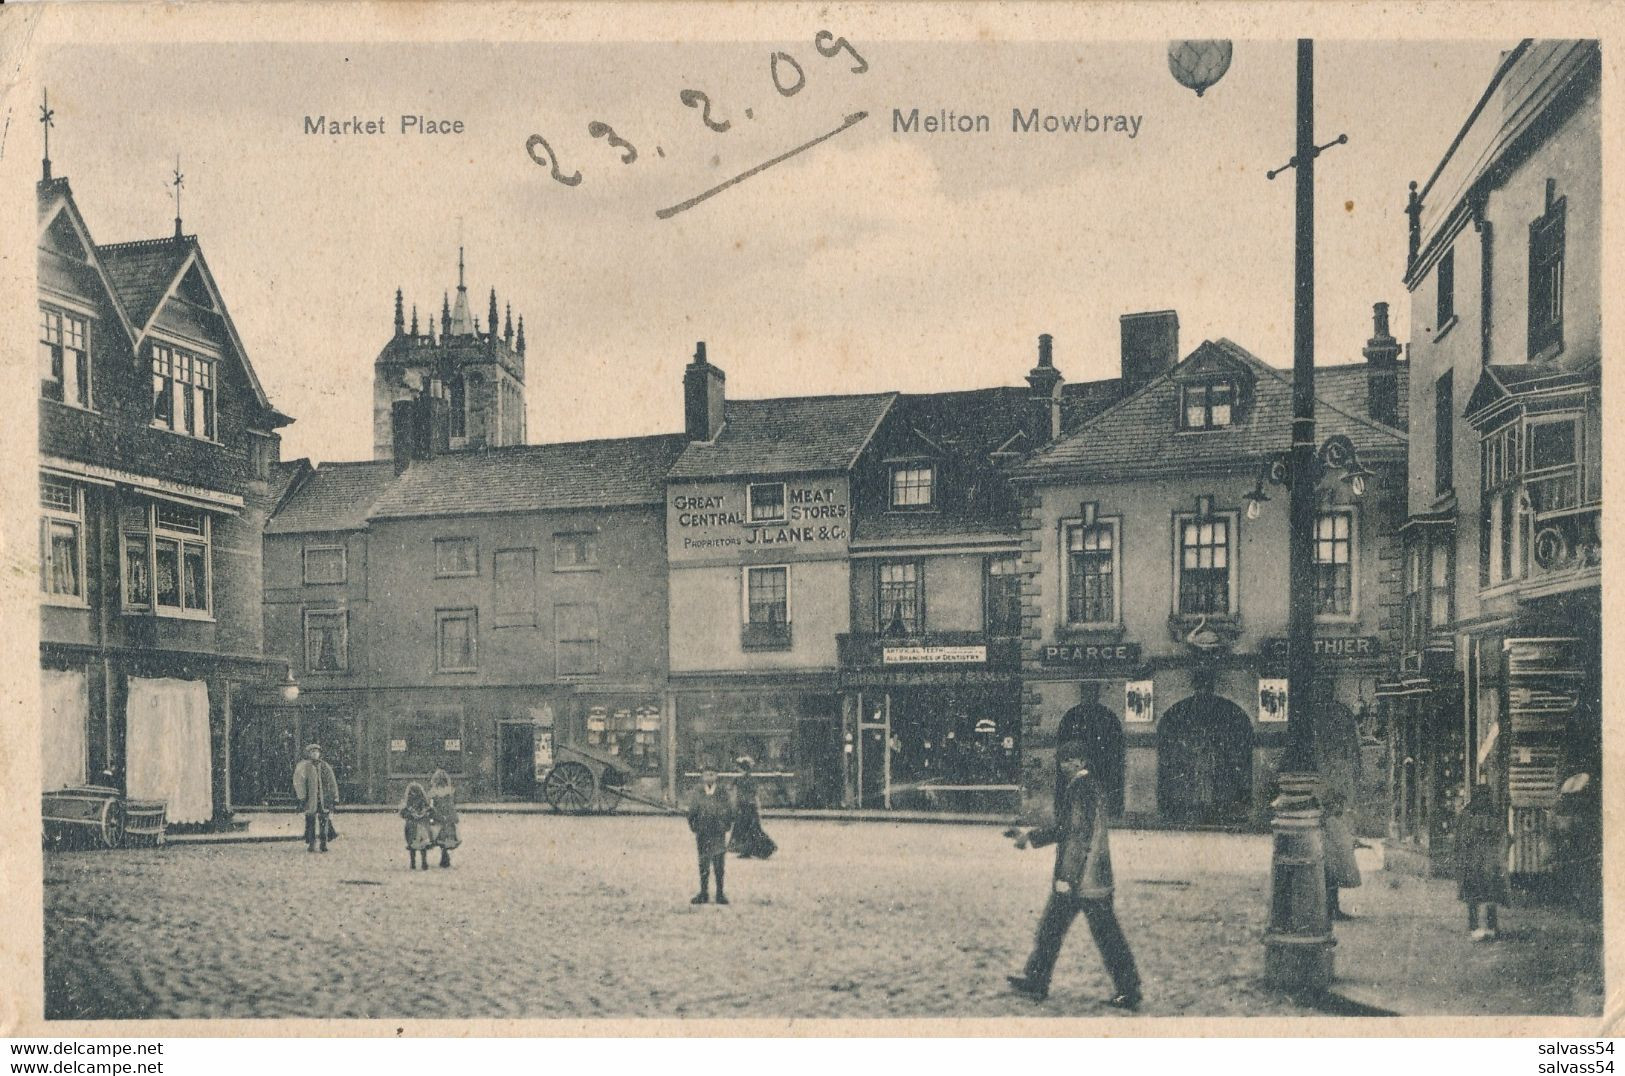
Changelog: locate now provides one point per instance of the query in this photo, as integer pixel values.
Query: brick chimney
(704, 397)
(1044, 405)
(1382, 374)
(1149, 347)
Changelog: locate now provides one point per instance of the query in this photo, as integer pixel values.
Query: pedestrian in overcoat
(317, 789)
(1082, 882)
(710, 816)
(1481, 858)
(443, 815)
(415, 812)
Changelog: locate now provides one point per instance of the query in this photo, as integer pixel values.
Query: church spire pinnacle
(507, 325)
(491, 319)
(400, 316)
(415, 319)
(519, 345)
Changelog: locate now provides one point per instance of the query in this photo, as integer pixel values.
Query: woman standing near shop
(750, 841)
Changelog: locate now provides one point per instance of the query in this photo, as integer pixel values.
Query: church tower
(478, 370)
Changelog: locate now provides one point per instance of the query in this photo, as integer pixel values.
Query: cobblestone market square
(543, 916)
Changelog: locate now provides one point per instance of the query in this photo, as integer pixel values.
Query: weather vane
(179, 181)
(47, 118)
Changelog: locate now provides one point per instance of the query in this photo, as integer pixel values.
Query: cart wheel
(112, 833)
(608, 799)
(570, 787)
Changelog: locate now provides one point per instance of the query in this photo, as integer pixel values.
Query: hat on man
(312, 750)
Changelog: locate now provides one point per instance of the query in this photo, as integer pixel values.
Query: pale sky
(873, 261)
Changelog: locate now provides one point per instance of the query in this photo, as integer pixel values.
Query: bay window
(165, 550)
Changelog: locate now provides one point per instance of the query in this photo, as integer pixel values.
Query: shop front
(932, 722)
(790, 730)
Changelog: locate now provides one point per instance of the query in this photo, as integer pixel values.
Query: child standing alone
(415, 810)
(1481, 855)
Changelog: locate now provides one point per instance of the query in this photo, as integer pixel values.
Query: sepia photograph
(1037, 527)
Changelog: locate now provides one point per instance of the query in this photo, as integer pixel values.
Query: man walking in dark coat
(317, 789)
(710, 816)
(1082, 882)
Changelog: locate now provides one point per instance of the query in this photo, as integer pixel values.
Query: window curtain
(64, 715)
(167, 750)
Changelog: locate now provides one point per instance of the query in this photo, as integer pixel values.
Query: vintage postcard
(1036, 520)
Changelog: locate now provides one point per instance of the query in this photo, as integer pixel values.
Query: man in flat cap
(317, 788)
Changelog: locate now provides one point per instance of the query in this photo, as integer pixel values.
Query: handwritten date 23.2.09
(789, 78)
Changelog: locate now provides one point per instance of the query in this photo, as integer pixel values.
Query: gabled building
(1154, 565)
(1499, 677)
(158, 446)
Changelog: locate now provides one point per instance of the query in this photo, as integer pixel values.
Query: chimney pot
(1045, 353)
(704, 397)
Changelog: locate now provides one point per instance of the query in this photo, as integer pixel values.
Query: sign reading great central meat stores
(800, 517)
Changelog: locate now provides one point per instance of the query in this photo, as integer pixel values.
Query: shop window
(1205, 580)
(1091, 571)
(1334, 564)
(576, 626)
(765, 502)
(913, 485)
(767, 608)
(324, 564)
(630, 734)
(62, 540)
(327, 640)
(423, 741)
(165, 549)
(1546, 255)
(183, 391)
(901, 605)
(1207, 406)
(1444, 417)
(456, 640)
(576, 551)
(1445, 301)
(64, 357)
(1002, 594)
(513, 578)
(456, 556)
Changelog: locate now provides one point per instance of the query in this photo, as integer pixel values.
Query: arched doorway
(1205, 761)
(1100, 730)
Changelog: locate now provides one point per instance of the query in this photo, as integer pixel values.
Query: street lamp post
(1298, 944)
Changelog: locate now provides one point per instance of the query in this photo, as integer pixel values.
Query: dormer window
(183, 397)
(1207, 405)
(64, 357)
(913, 485)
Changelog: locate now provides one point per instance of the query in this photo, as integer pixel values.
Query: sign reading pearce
(1109, 655)
(797, 516)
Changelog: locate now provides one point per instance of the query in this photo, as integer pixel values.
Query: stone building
(1499, 675)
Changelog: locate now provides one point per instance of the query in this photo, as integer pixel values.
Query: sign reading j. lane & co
(1092, 655)
(1333, 647)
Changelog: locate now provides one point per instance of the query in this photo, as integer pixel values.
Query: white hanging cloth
(64, 715)
(167, 751)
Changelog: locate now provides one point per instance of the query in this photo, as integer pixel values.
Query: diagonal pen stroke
(672, 211)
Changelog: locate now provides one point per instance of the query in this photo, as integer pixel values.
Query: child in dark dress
(443, 816)
(415, 811)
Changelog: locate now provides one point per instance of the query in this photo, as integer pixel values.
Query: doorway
(1205, 762)
(516, 760)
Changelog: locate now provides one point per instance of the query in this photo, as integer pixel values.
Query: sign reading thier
(1331, 647)
(1104, 656)
(934, 655)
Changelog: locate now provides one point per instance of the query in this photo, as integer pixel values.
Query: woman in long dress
(749, 841)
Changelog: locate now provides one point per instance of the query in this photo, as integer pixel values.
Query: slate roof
(334, 497)
(791, 434)
(1139, 435)
(142, 271)
(1346, 388)
(529, 478)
